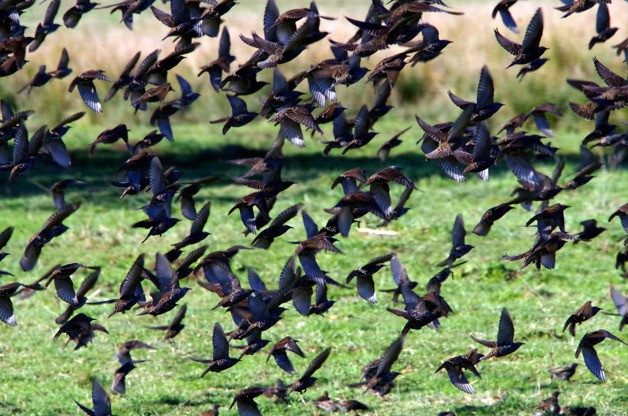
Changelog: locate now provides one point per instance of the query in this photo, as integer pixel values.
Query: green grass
(41, 377)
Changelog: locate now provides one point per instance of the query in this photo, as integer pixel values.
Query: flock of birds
(460, 147)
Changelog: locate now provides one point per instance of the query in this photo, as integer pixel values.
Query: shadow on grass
(99, 170)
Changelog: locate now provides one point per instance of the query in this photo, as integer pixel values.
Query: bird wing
(458, 232)
(534, 32)
(458, 379)
(102, 403)
(220, 343)
(620, 301)
(506, 330)
(510, 46)
(390, 356)
(593, 363)
(316, 363)
(485, 88)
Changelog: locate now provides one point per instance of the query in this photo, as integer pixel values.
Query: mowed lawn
(39, 376)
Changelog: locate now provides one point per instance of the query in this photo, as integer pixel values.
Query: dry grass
(421, 89)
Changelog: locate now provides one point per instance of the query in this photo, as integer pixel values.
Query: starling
(622, 213)
(455, 365)
(79, 329)
(550, 405)
(307, 380)
(529, 50)
(276, 228)
(131, 291)
(421, 311)
(563, 373)
(621, 304)
(220, 360)
(64, 285)
(119, 377)
(377, 375)
(503, 8)
(245, 399)
(47, 26)
(240, 115)
(602, 26)
(458, 246)
(176, 326)
(279, 353)
(505, 334)
(110, 136)
(364, 277)
(124, 350)
(585, 313)
(6, 306)
(80, 296)
(485, 106)
(489, 217)
(100, 399)
(590, 231)
(167, 282)
(86, 88)
(586, 346)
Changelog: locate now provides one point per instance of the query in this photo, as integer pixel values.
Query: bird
(505, 344)
(589, 232)
(64, 286)
(377, 376)
(421, 311)
(485, 106)
(80, 296)
(538, 115)
(530, 49)
(489, 217)
(585, 313)
(221, 64)
(503, 8)
(196, 234)
(119, 377)
(564, 372)
(602, 26)
(279, 353)
(7, 315)
(240, 115)
(455, 365)
(364, 277)
(131, 292)
(245, 400)
(123, 355)
(622, 214)
(100, 400)
(307, 380)
(167, 282)
(220, 360)
(85, 85)
(58, 191)
(79, 329)
(110, 136)
(276, 228)
(550, 405)
(619, 299)
(458, 246)
(73, 15)
(587, 348)
(47, 26)
(175, 326)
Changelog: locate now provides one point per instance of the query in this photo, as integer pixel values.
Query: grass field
(41, 377)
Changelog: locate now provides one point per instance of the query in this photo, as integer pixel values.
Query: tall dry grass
(100, 42)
